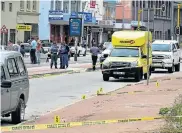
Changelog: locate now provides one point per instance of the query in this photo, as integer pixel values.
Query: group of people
(62, 52)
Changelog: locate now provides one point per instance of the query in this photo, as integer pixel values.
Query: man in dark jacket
(63, 52)
(94, 50)
(54, 51)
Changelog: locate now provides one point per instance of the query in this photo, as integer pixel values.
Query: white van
(166, 54)
(14, 86)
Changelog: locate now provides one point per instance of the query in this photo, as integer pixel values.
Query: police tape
(74, 124)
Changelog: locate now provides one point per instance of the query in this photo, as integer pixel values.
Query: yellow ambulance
(128, 59)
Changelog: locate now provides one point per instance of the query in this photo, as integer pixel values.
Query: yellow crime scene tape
(73, 124)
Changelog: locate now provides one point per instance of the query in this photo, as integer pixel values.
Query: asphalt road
(49, 93)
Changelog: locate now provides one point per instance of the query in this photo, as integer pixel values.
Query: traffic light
(163, 8)
(177, 30)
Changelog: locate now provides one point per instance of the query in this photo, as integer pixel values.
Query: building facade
(98, 15)
(162, 24)
(22, 12)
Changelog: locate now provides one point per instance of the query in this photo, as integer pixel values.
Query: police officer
(94, 50)
(54, 51)
(63, 52)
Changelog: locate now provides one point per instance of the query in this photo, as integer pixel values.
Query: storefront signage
(55, 15)
(24, 27)
(75, 27)
(106, 22)
(87, 16)
(92, 3)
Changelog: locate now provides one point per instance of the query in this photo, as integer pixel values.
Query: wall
(126, 5)
(44, 26)
(10, 19)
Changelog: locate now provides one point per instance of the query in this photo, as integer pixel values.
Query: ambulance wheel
(171, 69)
(105, 77)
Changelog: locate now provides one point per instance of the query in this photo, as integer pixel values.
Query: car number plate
(121, 73)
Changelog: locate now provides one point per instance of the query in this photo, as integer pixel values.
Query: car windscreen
(161, 47)
(125, 52)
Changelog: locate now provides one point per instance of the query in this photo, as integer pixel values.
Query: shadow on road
(7, 122)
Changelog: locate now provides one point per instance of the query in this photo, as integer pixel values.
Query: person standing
(94, 50)
(33, 50)
(38, 50)
(54, 53)
(63, 52)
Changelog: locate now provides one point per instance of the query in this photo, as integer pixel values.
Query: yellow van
(129, 56)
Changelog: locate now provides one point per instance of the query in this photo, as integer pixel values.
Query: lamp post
(178, 22)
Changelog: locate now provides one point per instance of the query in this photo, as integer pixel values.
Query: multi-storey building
(162, 24)
(19, 12)
(60, 11)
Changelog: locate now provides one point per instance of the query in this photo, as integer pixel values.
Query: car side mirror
(6, 84)
(144, 56)
(174, 50)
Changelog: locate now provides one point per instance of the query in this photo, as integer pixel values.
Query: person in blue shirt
(33, 50)
(54, 54)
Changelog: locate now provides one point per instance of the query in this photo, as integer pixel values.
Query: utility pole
(139, 12)
(148, 47)
(76, 38)
(178, 23)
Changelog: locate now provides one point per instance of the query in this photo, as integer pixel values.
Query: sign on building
(87, 16)
(92, 3)
(23, 27)
(75, 27)
(55, 15)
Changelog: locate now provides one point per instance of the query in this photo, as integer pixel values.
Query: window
(10, 7)
(28, 5)
(2, 6)
(12, 68)
(65, 6)
(34, 5)
(21, 66)
(52, 4)
(58, 5)
(3, 76)
(21, 5)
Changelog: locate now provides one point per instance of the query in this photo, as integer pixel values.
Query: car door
(5, 93)
(175, 54)
(179, 51)
(23, 79)
(16, 82)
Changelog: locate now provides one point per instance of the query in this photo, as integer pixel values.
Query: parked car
(14, 86)
(81, 50)
(105, 54)
(166, 54)
(106, 44)
(27, 48)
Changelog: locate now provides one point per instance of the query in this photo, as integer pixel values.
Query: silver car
(14, 86)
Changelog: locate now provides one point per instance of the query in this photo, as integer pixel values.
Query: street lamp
(178, 22)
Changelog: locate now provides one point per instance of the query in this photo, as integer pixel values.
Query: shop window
(12, 35)
(10, 7)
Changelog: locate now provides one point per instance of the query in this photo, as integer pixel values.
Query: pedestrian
(16, 47)
(94, 51)
(54, 54)
(63, 53)
(22, 50)
(33, 50)
(38, 50)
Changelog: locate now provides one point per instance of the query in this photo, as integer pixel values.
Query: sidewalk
(46, 69)
(119, 105)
